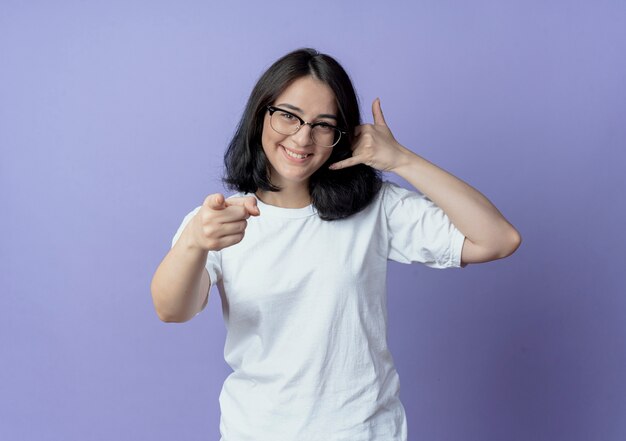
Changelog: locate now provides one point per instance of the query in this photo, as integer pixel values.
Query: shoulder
(388, 196)
(391, 189)
(391, 194)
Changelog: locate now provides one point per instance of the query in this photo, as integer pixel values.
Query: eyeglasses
(286, 123)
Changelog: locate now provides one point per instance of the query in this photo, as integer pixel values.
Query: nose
(303, 136)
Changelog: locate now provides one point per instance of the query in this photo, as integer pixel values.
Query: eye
(324, 127)
(287, 116)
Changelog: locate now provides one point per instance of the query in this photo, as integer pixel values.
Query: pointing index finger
(215, 201)
(248, 202)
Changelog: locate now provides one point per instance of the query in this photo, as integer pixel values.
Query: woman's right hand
(221, 222)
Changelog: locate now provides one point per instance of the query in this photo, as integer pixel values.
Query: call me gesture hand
(375, 145)
(488, 235)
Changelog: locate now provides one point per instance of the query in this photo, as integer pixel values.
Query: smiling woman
(294, 157)
(317, 92)
(301, 250)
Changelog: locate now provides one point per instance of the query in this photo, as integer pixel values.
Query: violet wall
(113, 120)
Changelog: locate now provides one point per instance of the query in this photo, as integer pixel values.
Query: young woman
(299, 255)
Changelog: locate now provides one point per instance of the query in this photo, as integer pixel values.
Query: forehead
(309, 94)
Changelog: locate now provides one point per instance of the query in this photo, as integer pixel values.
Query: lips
(294, 155)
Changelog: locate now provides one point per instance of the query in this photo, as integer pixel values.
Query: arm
(180, 286)
(488, 235)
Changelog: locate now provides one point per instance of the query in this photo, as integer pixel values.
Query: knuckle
(208, 230)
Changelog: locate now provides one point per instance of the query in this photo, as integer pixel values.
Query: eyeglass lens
(287, 124)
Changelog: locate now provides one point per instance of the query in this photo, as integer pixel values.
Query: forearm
(488, 234)
(471, 212)
(180, 284)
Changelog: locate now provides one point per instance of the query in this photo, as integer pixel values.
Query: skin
(181, 283)
(314, 98)
(488, 235)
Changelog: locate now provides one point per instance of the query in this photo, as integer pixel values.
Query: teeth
(295, 155)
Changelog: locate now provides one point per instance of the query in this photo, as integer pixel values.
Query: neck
(287, 197)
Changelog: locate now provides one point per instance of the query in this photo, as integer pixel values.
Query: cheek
(268, 137)
(323, 156)
(327, 154)
(266, 140)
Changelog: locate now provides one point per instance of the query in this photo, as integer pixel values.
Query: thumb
(377, 112)
(215, 201)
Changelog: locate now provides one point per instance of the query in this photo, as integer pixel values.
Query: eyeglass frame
(272, 109)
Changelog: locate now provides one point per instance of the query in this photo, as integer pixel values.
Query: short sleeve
(420, 231)
(213, 262)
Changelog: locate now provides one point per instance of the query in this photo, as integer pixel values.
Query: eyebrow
(297, 109)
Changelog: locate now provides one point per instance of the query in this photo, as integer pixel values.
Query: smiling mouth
(294, 154)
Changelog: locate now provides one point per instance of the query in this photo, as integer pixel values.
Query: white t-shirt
(304, 302)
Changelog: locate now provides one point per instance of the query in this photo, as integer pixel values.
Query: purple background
(113, 120)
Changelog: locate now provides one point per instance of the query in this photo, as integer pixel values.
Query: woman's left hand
(375, 145)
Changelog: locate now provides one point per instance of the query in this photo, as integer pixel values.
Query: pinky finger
(344, 164)
(230, 240)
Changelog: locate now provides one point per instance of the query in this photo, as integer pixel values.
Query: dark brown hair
(335, 194)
